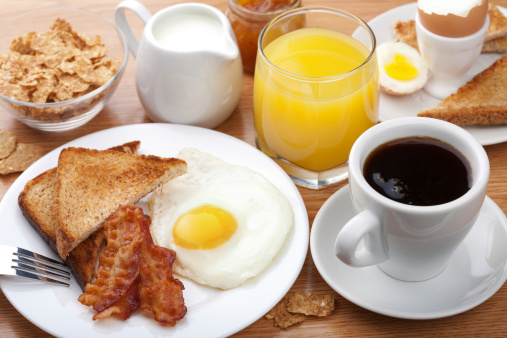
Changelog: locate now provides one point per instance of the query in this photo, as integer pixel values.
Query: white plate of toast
(410, 105)
(210, 312)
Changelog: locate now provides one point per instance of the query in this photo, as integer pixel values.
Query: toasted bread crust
(91, 184)
(497, 23)
(483, 100)
(37, 202)
(495, 41)
(404, 31)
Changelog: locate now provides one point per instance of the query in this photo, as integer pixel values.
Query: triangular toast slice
(91, 184)
(497, 23)
(37, 201)
(483, 100)
(495, 41)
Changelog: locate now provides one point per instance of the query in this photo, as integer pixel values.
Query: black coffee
(418, 171)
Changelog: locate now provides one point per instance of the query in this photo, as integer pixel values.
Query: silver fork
(20, 262)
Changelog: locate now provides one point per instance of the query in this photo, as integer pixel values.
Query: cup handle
(121, 20)
(367, 226)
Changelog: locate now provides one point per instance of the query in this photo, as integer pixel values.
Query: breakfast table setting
(467, 299)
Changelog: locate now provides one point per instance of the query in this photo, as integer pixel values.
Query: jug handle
(121, 20)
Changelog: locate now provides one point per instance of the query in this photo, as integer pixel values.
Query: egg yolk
(401, 68)
(205, 227)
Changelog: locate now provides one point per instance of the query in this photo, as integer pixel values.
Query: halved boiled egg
(402, 70)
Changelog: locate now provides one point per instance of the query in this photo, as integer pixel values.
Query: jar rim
(259, 16)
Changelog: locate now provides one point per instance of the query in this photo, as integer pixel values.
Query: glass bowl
(77, 110)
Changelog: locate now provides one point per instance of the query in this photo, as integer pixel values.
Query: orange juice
(311, 107)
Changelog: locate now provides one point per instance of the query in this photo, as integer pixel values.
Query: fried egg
(226, 222)
(402, 70)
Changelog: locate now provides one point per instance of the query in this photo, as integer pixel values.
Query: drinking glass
(315, 92)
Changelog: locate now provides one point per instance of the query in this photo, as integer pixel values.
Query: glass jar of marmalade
(248, 18)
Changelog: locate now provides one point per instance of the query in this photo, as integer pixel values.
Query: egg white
(263, 214)
(385, 53)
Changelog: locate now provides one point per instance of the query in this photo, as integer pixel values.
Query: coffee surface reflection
(418, 171)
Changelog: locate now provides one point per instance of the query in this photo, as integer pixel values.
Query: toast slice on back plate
(482, 101)
(497, 23)
(495, 41)
(92, 184)
(37, 202)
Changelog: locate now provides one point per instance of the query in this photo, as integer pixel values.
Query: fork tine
(33, 274)
(29, 255)
(22, 261)
(25, 263)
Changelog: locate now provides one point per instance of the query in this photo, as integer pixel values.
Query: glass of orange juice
(315, 91)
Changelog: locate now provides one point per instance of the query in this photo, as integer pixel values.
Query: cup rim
(91, 94)
(331, 78)
(481, 169)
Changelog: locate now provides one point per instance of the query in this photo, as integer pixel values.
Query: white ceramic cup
(177, 82)
(449, 59)
(410, 243)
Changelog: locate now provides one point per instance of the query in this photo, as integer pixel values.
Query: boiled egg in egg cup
(402, 70)
(449, 59)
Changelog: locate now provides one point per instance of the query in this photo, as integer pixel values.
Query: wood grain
(488, 319)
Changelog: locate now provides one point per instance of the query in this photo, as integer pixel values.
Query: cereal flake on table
(21, 158)
(296, 307)
(7, 143)
(311, 304)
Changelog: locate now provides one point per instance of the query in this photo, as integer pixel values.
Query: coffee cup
(410, 242)
(188, 67)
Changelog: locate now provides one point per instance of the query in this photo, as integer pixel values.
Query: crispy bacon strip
(126, 305)
(119, 263)
(134, 272)
(161, 293)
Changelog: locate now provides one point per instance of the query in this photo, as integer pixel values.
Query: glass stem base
(304, 177)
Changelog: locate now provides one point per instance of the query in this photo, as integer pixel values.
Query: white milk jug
(188, 66)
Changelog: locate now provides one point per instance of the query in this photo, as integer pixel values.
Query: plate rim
(299, 236)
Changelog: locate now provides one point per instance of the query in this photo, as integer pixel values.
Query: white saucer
(476, 271)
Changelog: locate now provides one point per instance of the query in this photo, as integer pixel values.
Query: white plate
(409, 105)
(476, 271)
(211, 313)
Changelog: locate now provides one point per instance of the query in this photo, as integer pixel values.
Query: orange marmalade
(248, 18)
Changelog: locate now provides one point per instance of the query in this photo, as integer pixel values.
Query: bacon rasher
(134, 272)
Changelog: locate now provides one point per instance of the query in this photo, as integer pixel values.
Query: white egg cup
(449, 59)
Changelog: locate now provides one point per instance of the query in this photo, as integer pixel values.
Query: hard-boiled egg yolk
(205, 227)
(401, 68)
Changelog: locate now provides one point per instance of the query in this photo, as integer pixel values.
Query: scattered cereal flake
(282, 317)
(311, 304)
(23, 43)
(101, 75)
(22, 157)
(61, 25)
(45, 87)
(16, 91)
(74, 84)
(7, 143)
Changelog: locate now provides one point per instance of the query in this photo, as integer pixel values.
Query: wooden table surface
(488, 319)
